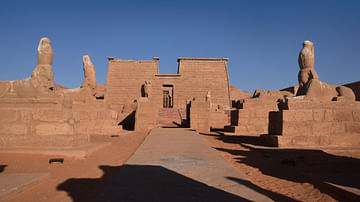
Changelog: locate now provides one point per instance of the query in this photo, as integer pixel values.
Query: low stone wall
(252, 119)
(333, 124)
(218, 119)
(41, 125)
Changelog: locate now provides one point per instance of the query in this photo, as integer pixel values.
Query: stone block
(324, 140)
(50, 115)
(345, 140)
(327, 128)
(284, 141)
(258, 121)
(261, 129)
(356, 115)
(26, 116)
(318, 114)
(260, 113)
(13, 128)
(344, 115)
(296, 128)
(88, 115)
(330, 115)
(243, 121)
(8, 115)
(244, 113)
(54, 129)
(241, 129)
(305, 140)
(297, 115)
(353, 128)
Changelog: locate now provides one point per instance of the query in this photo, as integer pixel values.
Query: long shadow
(129, 122)
(273, 195)
(142, 183)
(236, 139)
(312, 166)
(2, 168)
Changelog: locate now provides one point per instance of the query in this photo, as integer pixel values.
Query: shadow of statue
(142, 183)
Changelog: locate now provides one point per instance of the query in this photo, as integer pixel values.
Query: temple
(38, 112)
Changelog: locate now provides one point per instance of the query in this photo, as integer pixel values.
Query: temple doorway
(168, 96)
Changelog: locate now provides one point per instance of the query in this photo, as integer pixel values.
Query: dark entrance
(168, 98)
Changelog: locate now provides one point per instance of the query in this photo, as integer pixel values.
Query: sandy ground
(281, 174)
(90, 169)
(299, 174)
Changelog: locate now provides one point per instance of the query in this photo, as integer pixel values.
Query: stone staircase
(171, 117)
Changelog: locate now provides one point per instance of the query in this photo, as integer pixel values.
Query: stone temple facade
(37, 112)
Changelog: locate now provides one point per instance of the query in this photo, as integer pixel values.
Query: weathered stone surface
(318, 114)
(237, 94)
(43, 75)
(295, 128)
(311, 86)
(45, 54)
(54, 128)
(298, 115)
(13, 128)
(89, 74)
(50, 115)
(356, 115)
(271, 95)
(353, 127)
(8, 115)
(36, 110)
(344, 115)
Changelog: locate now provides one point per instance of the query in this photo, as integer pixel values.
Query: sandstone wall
(195, 77)
(218, 120)
(158, 85)
(146, 115)
(252, 119)
(308, 124)
(45, 122)
(199, 116)
(202, 75)
(323, 127)
(125, 78)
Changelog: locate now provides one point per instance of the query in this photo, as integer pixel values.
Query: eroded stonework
(38, 112)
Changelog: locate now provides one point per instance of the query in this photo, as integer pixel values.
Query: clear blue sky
(261, 38)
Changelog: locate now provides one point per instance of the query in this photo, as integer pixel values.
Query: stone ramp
(176, 164)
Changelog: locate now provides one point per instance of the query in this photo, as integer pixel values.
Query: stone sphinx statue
(89, 74)
(309, 84)
(306, 64)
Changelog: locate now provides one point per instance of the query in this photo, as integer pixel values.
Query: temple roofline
(203, 59)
